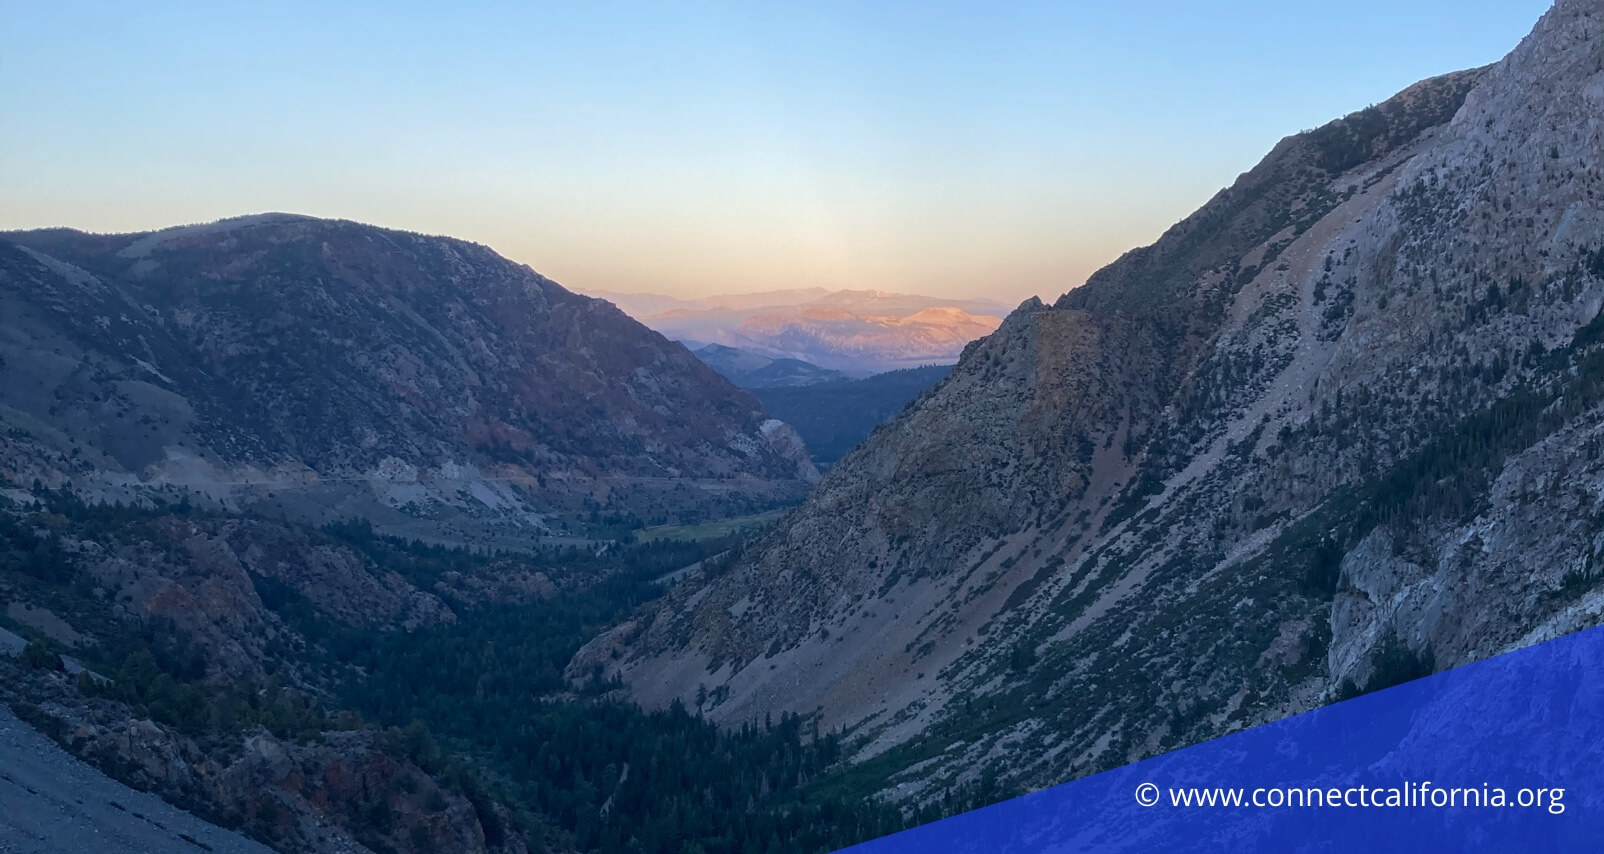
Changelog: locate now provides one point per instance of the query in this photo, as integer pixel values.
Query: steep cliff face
(1338, 427)
(335, 369)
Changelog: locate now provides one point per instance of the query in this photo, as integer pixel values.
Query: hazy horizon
(930, 150)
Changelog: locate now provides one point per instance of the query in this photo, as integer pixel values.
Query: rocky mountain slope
(1340, 427)
(210, 636)
(326, 369)
(855, 332)
(54, 804)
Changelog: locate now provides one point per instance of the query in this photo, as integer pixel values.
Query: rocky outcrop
(1336, 427)
(353, 791)
(55, 804)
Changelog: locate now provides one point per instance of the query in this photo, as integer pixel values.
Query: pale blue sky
(956, 149)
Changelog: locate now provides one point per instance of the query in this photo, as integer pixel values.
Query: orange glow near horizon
(958, 151)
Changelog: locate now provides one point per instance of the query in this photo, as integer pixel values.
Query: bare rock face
(57, 805)
(330, 369)
(1344, 416)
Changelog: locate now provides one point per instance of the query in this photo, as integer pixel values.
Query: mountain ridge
(1208, 489)
(273, 358)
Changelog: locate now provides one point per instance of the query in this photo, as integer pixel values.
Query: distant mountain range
(858, 333)
(751, 370)
(864, 302)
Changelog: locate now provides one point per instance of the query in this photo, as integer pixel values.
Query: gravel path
(51, 803)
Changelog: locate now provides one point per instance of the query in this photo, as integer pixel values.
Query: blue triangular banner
(1506, 754)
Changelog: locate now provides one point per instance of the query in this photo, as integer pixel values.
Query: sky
(982, 149)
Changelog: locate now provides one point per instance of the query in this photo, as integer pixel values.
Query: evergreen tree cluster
(481, 704)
